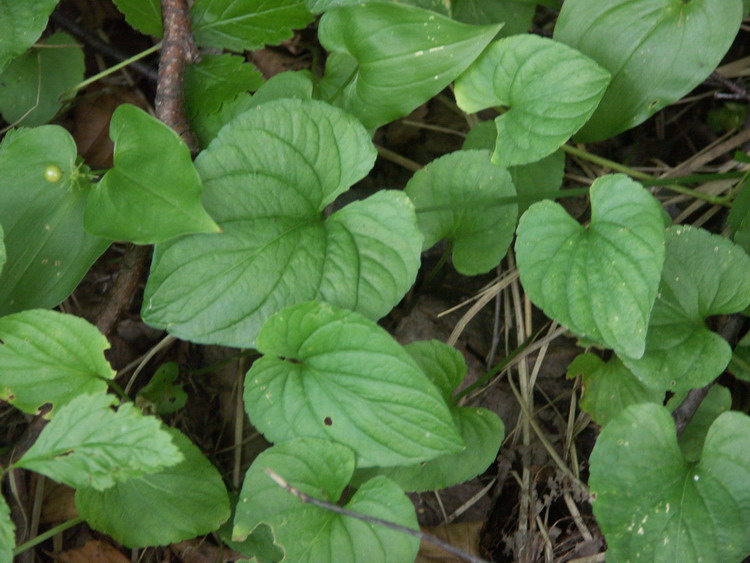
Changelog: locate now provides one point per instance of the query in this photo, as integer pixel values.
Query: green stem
(111, 70)
(46, 535)
(439, 266)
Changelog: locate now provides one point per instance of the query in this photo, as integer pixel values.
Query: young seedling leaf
(217, 79)
(160, 395)
(465, 186)
(50, 357)
(179, 502)
(681, 351)
(308, 533)
(246, 25)
(143, 15)
(609, 387)
(481, 430)
(387, 59)
(656, 50)
(22, 24)
(268, 177)
(333, 374)
(549, 89)
(600, 281)
(41, 212)
(87, 444)
(32, 84)
(534, 181)
(7, 532)
(153, 192)
(653, 504)
(259, 545)
(718, 401)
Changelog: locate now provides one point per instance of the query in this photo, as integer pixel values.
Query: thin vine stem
(46, 535)
(111, 70)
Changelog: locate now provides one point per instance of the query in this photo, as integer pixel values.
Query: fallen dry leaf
(464, 536)
(93, 551)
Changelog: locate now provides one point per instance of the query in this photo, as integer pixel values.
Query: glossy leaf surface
(50, 357)
(549, 90)
(267, 179)
(601, 280)
(656, 50)
(153, 192)
(654, 505)
(329, 373)
(310, 534)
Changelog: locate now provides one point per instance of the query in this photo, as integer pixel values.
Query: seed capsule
(53, 173)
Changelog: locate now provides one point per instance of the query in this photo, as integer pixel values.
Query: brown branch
(178, 49)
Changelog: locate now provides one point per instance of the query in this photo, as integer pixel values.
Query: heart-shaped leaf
(481, 430)
(87, 444)
(550, 90)
(246, 25)
(609, 387)
(153, 192)
(704, 275)
(333, 374)
(455, 198)
(177, 503)
(50, 357)
(267, 179)
(599, 281)
(387, 59)
(654, 505)
(310, 534)
(41, 212)
(32, 84)
(656, 50)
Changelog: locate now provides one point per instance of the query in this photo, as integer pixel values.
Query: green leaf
(312, 534)
(599, 281)
(386, 410)
(656, 50)
(534, 181)
(740, 363)
(217, 79)
(481, 430)
(153, 192)
(32, 85)
(89, 445)
(703, 275)
(2, 250)
(143, 15)
(549, 89)
(41, 212)
(160, 394)
(246, 25)
(609, 387)
(387, 59)
(515, 15)
(739, 216)
(22, 24)
(654, 505)
(259, 544)
(291, 84)
(268, 177)
(718, 400)
(50, 357)
(7, 532)
(180, 502)
(455, 199)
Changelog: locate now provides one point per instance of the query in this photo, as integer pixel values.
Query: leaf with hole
(50, 357)
(153, 192)
(653, 504)
(656, 50)
(32, 85)
(311, 534)
(600, 281)
(179, 502)
(457, 197)
(306, 384)
(268, 177)
(681, 351)
(246, 25)
(387, 59)
(48, 251)
(548, 89)
(87, 444)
